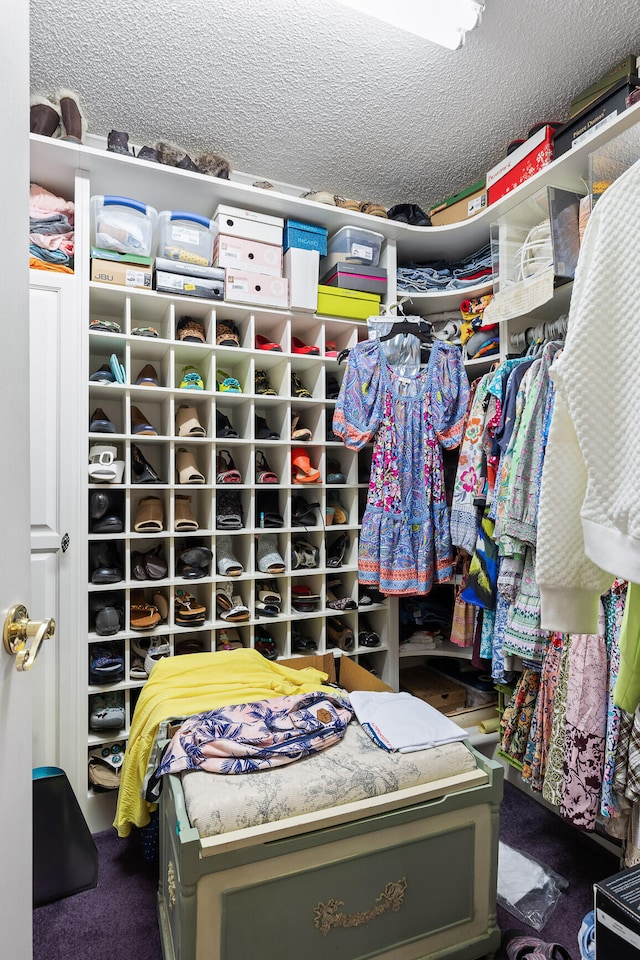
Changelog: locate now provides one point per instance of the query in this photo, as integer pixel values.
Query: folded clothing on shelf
(439, 275)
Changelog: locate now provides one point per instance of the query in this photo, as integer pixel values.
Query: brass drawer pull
(327, 915)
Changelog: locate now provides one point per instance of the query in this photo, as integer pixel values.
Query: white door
(15, 688)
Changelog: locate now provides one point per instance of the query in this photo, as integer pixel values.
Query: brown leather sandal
(142, 615)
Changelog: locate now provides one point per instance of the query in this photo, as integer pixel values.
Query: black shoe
(194, 563)
(228, 510)
(148, 153)
(303, 513)
(336, 552)
(141, 469)
(224, 430)
(268, 509)
(118, 142)
(104, 563)
(106, 510)
(264, 431)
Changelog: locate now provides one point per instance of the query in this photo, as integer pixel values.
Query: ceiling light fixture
(445, 22)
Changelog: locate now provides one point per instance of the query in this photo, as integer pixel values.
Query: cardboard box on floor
(440, 692)
(342, 670)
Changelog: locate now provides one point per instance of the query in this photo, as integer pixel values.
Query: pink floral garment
(469, 475)
(255, 736)
(585, 729)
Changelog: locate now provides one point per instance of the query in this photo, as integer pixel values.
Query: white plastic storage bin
(123, 225)
(186, 237)
(358, 246)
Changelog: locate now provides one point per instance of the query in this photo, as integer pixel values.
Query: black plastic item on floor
(65, 857)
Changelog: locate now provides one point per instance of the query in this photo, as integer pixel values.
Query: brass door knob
(19, 629)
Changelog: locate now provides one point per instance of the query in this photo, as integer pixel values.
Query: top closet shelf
(55, 163)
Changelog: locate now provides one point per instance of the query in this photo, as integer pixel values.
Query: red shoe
(297, 346)
(263, 343)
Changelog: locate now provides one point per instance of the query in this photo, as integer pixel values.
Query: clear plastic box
(539, 234)
(186, 237)
(611, 160)
(123, 225)
(357, 245)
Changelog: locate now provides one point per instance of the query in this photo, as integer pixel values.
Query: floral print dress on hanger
(405, 542)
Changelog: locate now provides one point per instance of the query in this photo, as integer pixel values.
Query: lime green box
(347, 303)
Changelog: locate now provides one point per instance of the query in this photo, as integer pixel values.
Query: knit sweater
(589, 519)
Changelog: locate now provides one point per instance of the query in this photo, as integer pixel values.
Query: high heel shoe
(339, 513)
(141, 469)
(337, 551)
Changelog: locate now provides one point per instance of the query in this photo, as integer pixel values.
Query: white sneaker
(156, 652)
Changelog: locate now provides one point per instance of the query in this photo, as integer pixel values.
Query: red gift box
(534, 154)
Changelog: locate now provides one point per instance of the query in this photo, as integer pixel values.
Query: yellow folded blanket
(182, 686)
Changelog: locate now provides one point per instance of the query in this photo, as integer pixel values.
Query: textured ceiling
(314, 94)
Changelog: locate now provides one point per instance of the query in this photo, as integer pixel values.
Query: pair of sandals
(262, 384)
(268, 600)
(303, 599)
(226, 471)
(304, 554)
(104, 467)
(518, 946)
(338, 603)
(150, 565)
(191, 379)
(188, 609)
(301, 469)
(226, 383)
(144, 615)
(264, 473)
(230, 605)
(298, 388)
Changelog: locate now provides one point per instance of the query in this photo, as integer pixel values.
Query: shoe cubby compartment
(203, 315)
(191, 511)
(106, 510)
(341, 503)
(275, 369)
(312, 452)
(107, 714)
(307, 374)
(196, 642)
(239, 323)
(310, 416)
(269, 507)
(143, 311)
(306, 597)
(106, 562)
(270, 638)
(340, 586)
(228, 459)
(148, 512)
(308, 330)
(149, 563)
(340, 632)
(192, 559)
(106, 619)
(233, 549)
(191, 411)
(270, 460)
(148, 459)
(193, 371)
(235, 366)
(371, 626)
(340, 549)
(271, 553)
(232, 598)
(304, 511)
(344, 335)
(306, 551)
(230, 635)
(271, 415)
(193, 465)
(274, 330)
(104, 416)
(106, 663)
(142, 355)
(307, 637)
(148, 412)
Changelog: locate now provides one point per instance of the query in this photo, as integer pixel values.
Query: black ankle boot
(106, 511)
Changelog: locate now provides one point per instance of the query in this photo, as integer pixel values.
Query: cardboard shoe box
(617, 916)
(240, 254)
(462, 205)
(235, 222)
(121, 273)
(186, 286)
(244, 287)
(534, 154)
(440, 692)
(595, 117)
